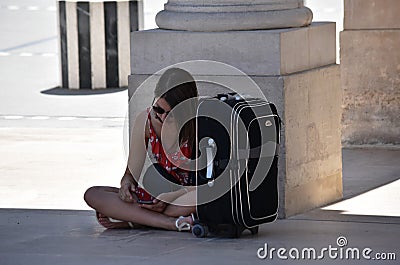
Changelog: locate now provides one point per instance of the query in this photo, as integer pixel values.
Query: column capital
(224, 15)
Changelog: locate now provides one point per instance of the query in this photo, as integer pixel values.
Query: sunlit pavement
(55, 143)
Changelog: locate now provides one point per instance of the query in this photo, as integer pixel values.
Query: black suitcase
(236, 169)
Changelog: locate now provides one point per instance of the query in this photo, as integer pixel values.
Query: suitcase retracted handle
(210, 161)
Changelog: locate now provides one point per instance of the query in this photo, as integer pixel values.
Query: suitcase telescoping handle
(210, 149)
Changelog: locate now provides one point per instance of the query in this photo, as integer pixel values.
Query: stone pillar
(94, 41)
(370, 69)
(212, 15)
(294, 67)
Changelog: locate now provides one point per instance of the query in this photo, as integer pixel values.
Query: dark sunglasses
(159, 110)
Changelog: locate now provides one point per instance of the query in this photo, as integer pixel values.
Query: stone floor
(368, 217)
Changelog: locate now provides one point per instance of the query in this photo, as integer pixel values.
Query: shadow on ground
(365, 169)
(60, 91)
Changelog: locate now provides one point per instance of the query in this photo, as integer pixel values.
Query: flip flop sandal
(183, 226)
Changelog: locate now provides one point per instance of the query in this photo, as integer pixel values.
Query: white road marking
(13, 7)
(63, 118)
(32, 8)
(26, 54)
(13, 117)
(48, 54)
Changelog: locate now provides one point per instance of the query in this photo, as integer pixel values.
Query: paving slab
(73, 237)
(48, 236)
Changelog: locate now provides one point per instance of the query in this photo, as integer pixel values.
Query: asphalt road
(30, 75)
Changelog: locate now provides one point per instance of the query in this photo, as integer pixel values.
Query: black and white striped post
(94, 37)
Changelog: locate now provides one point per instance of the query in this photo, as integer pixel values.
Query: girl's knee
(95, 195)
(90, 195)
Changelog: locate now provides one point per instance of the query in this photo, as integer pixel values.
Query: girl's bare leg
(183, 205)
(106, 201)
(101, 218)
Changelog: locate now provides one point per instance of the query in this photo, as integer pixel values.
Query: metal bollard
(94, 39)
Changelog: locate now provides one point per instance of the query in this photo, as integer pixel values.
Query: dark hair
(175, 86)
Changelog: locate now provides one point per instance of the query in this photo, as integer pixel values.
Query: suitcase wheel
(200, 230)
(238, 230)
(254, 230)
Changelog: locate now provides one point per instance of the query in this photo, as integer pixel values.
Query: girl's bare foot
(107, 223)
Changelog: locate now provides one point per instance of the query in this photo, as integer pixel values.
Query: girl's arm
(137, 153)
(165, 200)
(138, 145)
(169, 197)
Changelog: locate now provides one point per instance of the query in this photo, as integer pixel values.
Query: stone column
(370, 66)
(295, 67)
(212, 15)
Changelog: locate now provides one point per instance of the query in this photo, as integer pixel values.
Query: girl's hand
(157, 206)
(127, 192)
